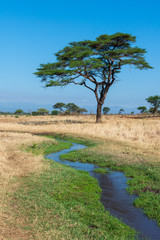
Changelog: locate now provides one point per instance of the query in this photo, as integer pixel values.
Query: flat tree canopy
(19, 112)
(142, 109)
(93, 64)
(106, 110)
(69, 108)
(155, 102)
(59, 106)
(42, 111)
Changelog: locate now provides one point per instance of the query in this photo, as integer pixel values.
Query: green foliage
(82, 110)
(106, 110)
(120, 111)
(40, 111)
(59, 106)
(152, 110)
(155, 103)
(93, 62)
(54, 112)
(18, 112)
(142, 109)
(35, 113)
(92, 58)
(70, 108)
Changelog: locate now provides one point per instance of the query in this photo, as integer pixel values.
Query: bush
(54, 112)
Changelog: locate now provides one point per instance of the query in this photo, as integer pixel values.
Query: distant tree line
(61, 108)
(40, 111)
(70, 108)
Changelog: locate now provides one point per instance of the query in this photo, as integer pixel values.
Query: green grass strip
(101, 170)
(47, 147)
(64, 203)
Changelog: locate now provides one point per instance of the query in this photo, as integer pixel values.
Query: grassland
(124, 143)
(133, 129)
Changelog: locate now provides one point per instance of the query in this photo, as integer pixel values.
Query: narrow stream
(114, 196)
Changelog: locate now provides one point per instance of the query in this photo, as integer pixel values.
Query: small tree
(59, 106)
(82, 110)
(142, 109)
(71, 107)
(120, 111)
(42, 111)
(93, 64)
(106, 110)
(155, 103)
(19, 112)
(35, 113)
(54, 112)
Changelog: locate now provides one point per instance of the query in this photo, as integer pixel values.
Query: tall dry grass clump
(13, 160)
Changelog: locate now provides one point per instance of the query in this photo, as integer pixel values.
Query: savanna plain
(41, 199)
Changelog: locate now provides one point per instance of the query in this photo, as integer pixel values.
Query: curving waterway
(114, 196)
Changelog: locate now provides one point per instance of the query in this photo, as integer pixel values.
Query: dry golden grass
(145, 131)
(13, 160)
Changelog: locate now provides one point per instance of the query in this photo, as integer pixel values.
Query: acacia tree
(142, 109)
(82, 110)
(19, 112)
(71, 107)
(59, 106)
(120, 111)
(155, 103)
(93, 64)
(42, 111)
(106, 110)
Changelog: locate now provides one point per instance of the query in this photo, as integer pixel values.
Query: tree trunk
(99, 114)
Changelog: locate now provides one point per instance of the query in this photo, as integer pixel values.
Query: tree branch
(113, 72)
(87, 76)
(96, 94)
(83, 83)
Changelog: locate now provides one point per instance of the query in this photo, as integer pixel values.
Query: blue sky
(32, 31)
